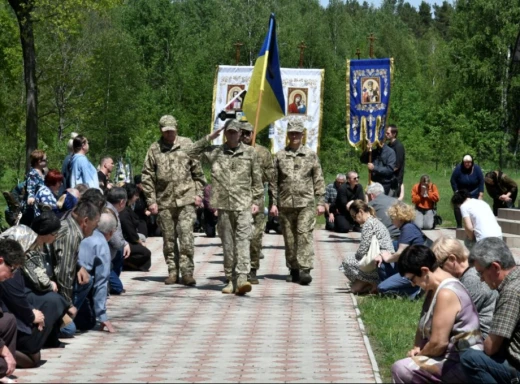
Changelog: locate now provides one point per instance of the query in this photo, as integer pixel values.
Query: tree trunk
(23, 10)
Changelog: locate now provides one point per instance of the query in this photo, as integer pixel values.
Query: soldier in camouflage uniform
(297, 180)
(173, 184)
(266, 165)
(237, 193)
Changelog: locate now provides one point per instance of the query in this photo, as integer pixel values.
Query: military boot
(243, 286)
(252, 277)
(229, 288)
(294, 276)
(172, 279)
(188, 280)
(305, 277)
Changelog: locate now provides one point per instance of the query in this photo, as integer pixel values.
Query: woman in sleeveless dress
(448, 325)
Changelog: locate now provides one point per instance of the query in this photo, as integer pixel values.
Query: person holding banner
(382, 165)
(266, 165)
(237, 193)
(297, 180)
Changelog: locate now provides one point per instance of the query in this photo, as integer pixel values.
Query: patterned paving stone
(280, 332)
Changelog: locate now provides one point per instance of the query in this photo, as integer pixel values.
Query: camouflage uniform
(266, 165)
(298, 178)
(171, 179)
(236, 185)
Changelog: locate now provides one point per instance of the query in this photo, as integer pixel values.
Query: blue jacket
(83, 172)
(472, 182)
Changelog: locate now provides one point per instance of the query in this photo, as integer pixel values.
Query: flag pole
(257, 115)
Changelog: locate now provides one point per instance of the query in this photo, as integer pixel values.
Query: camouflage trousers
(234, 229)
(297, 228)
(256, 239)
(177, 224)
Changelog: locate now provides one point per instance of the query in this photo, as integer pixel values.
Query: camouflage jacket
(266, 162)
(170, 178)
(298, 178)
(236, 177)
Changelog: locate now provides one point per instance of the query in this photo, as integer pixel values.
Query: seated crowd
(64, 253)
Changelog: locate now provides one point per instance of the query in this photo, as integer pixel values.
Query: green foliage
(110, 69)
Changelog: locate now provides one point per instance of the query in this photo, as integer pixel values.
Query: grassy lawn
(440, 177)
(390, 324)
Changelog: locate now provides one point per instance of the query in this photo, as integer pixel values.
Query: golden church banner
(368, 100)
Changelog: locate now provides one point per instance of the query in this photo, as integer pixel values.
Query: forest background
(111, 69)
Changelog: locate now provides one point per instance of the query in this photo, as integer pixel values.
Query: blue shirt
(83, 172)
(411, 235)
(94, 256)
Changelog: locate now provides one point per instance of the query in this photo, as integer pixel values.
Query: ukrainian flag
(265, 90)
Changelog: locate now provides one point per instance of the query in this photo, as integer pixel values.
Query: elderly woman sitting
(402, 216)
(452, 256)
(448, 326)
(38, 315)
(364, 215)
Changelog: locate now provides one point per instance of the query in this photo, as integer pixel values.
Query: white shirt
(482, 217)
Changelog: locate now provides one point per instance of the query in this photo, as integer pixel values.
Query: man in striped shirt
(80, 224)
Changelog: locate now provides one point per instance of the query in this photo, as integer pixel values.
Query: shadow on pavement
(149, 278)
(273, 247)
(207, 245)
(273, 277)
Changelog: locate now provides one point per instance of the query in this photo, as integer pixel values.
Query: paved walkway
(280, 332)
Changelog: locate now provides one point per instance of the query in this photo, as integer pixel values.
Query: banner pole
(259, 106)
(369, 160)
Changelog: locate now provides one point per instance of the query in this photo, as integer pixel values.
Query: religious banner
(303, 93)
(368, 100)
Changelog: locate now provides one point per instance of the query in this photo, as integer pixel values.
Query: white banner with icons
(303, 92)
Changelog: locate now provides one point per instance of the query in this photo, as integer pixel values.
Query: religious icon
(297, 101)
(234, 90)
(370, 90)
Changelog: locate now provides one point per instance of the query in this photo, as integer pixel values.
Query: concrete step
(509, 214)
(512, 240)
(509, 226)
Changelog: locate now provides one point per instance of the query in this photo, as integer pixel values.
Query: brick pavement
(280, 332)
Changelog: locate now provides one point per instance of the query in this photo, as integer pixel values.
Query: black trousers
(140, 258)
(209, 223)
(53, 306)
(8, 334)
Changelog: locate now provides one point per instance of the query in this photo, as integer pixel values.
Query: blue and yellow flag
(265, 88)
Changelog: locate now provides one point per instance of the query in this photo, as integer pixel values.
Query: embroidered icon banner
(303, 93)
(368, 100)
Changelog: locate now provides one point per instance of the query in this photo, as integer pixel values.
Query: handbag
(367, 263)
(437, 219)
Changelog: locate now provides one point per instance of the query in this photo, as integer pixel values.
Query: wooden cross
(358, 53)
(371, 50)
(237, 45)
(302, 47)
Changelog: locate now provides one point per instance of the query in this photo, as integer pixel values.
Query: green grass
(440, 177)
(390, 325)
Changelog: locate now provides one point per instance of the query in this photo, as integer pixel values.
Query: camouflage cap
(168, 123)
(233, 124)
(247, 127)
(295, 126)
